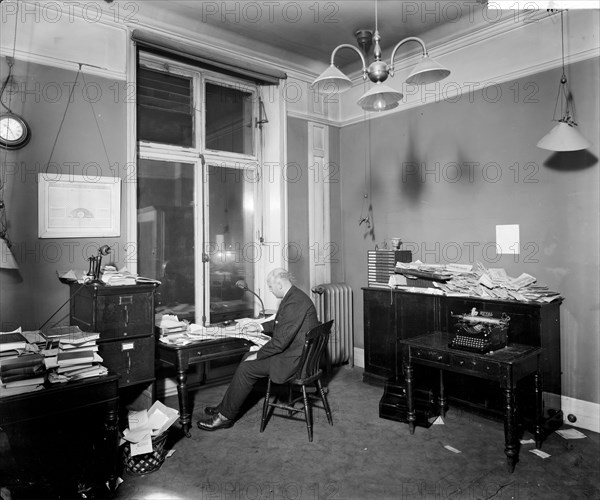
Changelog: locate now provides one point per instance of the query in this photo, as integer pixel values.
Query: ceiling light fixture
(380, 97)
(564, 136)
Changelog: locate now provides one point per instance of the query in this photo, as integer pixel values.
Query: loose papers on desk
(182, 333)
(478, 281)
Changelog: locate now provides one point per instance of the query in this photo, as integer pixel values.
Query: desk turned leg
(185, 418)
(538, 409)
(111, 436)
(510, 429)
(409, 397)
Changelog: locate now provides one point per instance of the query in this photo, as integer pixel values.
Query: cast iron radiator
(333, 301)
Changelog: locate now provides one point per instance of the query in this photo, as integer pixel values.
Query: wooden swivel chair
(309, 372)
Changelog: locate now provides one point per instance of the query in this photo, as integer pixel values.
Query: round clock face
(14, 132)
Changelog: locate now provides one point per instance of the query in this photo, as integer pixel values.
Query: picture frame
(78, 206)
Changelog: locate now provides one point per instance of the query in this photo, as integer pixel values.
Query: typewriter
(480, 333)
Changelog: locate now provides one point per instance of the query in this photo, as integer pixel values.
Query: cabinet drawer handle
(199, 353)
(440, 357)
(461, 362)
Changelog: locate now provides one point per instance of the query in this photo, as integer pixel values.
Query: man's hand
(251, 357)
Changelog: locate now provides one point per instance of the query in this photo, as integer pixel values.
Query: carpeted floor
(362, 457)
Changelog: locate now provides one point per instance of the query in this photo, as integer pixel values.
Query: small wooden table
(57, 399)
(182, 357)
(507, 366)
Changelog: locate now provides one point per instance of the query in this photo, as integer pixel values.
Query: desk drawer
(480, 366)
(429, 355)
(205, 352)
(132, 359)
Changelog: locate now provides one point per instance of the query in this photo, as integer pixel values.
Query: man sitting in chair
(277, 359)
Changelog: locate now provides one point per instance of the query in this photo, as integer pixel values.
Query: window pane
(228, 119)
(231, 249)
(165, 200)
(164, 108)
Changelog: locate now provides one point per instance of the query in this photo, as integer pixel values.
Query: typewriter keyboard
(468, 343)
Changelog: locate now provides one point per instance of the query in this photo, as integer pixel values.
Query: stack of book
(77, 354)
(12, 343)
(21, 373)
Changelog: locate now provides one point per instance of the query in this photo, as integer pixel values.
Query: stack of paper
(19, 374)
(76, 356)
(112, 277)
(477, 281)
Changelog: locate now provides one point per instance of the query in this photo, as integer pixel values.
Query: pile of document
(112, 277)
(477, 281)
(22, 369)
(72, 354)
(176, 332)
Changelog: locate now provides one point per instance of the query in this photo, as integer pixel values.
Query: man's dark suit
(278, 358)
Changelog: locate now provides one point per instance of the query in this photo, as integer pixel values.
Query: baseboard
(359, 357)
(587, 414)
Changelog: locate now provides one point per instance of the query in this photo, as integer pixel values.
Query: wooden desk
(57, 399)
(182, 357)
(507, 366)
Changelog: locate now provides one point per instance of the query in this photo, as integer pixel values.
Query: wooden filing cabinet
(124, 317)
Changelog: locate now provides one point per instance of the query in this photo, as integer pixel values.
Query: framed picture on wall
(78, 206)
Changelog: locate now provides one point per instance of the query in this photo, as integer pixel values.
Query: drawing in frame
(78, 206)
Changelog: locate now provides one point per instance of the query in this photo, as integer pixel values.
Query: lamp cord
(9, 61)
(62, 305)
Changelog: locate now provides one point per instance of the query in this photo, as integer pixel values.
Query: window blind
(209, 57)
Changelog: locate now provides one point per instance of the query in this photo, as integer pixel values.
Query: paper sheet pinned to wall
(507, 239)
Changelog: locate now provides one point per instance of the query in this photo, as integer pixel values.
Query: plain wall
(29, 296)
(298, 209)
(442, 176)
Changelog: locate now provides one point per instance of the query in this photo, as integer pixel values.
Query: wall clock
(14, 131)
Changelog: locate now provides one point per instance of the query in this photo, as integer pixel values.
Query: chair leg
(324, 400)
(290, 398)
(307, 414)
(265, 411)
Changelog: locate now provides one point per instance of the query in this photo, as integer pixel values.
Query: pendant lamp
(380, 97)
(564, 136)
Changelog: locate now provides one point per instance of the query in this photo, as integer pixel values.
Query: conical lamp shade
(332, 81)
(7, 260)
(564, 137)
(380, 98)
(427, 71)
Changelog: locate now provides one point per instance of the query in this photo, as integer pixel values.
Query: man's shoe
(211, 410)
(215, 423)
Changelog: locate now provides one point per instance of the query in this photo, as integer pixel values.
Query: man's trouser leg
(244, 378)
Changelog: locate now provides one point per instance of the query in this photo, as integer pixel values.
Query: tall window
(196, 189)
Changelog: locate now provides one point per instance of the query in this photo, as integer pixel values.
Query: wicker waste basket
(147, 462)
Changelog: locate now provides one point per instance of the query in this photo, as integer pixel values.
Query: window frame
(202, 158)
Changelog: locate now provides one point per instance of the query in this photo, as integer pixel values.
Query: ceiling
(304, 32)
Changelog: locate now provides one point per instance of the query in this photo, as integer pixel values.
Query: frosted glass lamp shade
(7, 259)
(564, 137)
(427, 71)
(380, 98)
(332, 81)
